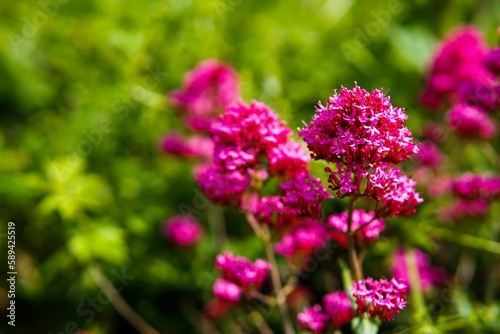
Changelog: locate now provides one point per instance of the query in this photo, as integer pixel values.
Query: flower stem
(276, 280)
(119, 303)
(354, 264)
(264, 236)
(416, 288)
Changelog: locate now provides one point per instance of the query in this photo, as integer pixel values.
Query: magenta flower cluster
(465, 74)
(251, 144)
(300, 197)
(183, 230)
(196, 146)
(300, 240)
(383, 299)
(238, 275)
(429, 276)
(367, 226)
(473, 194)
(337, 310)
(361, 133)
(206, 91)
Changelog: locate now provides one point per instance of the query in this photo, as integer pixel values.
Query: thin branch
(119, 303)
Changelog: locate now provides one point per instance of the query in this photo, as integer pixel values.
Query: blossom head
(492, 61)
(365, 235)
(183, 230)
(463, 208)
(241, 271)
(459, 60)
(471, 122)
(288, 159)
(382, 298)
(338, 306)
(360, 128)
(227, 290)
(196, 146)
(222, 187)
(254, 129)
(429, 155)
(429, 276)
(313, 319)
(304, 194)
(395, 192)
(301, 240)
(206, 89)
(474, 186)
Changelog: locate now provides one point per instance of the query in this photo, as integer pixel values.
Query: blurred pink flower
(338, 306)
(183, 230)
(364, 236)
(195, 146)
(238, 274)
(227, 290)
(492, 61)
(429, 155)
(206, 89)
(301, 240)
(476, 186)
(429, 276)
(313, 319)
(222, 187)
(471, 122)
(459, 60)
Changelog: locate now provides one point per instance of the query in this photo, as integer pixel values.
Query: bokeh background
(82, 108)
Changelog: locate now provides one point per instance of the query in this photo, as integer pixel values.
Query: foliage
(83, 108)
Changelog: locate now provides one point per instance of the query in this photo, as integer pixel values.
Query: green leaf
(365, 326)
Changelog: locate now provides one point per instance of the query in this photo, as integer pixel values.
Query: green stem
(217, 224)
(119, 303)
(465, 239)
(264, 235)
(356, 270)
(417, 295)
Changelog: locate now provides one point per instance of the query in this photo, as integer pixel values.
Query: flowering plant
(248, 160)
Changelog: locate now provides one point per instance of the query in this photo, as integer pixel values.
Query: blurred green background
(82, 107)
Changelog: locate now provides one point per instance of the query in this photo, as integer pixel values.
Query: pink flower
(196, 146)
(471, 122)
(223, 187)
(288, 159)
(483, 94)
(463, 208)
(382, 298)
(492, 61)
(459, 60)
(227, 290)
(241, 272)
(358, 128)
(338, 306)
(429, 276)
(207, 89)
(364, 236)
(272, 211)
(474, 186)
(183, 230)
(301, 197)
(304, 194)
(429, 155)
(400, 197)
(313, 319)
(253, 128)
(301, 240)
